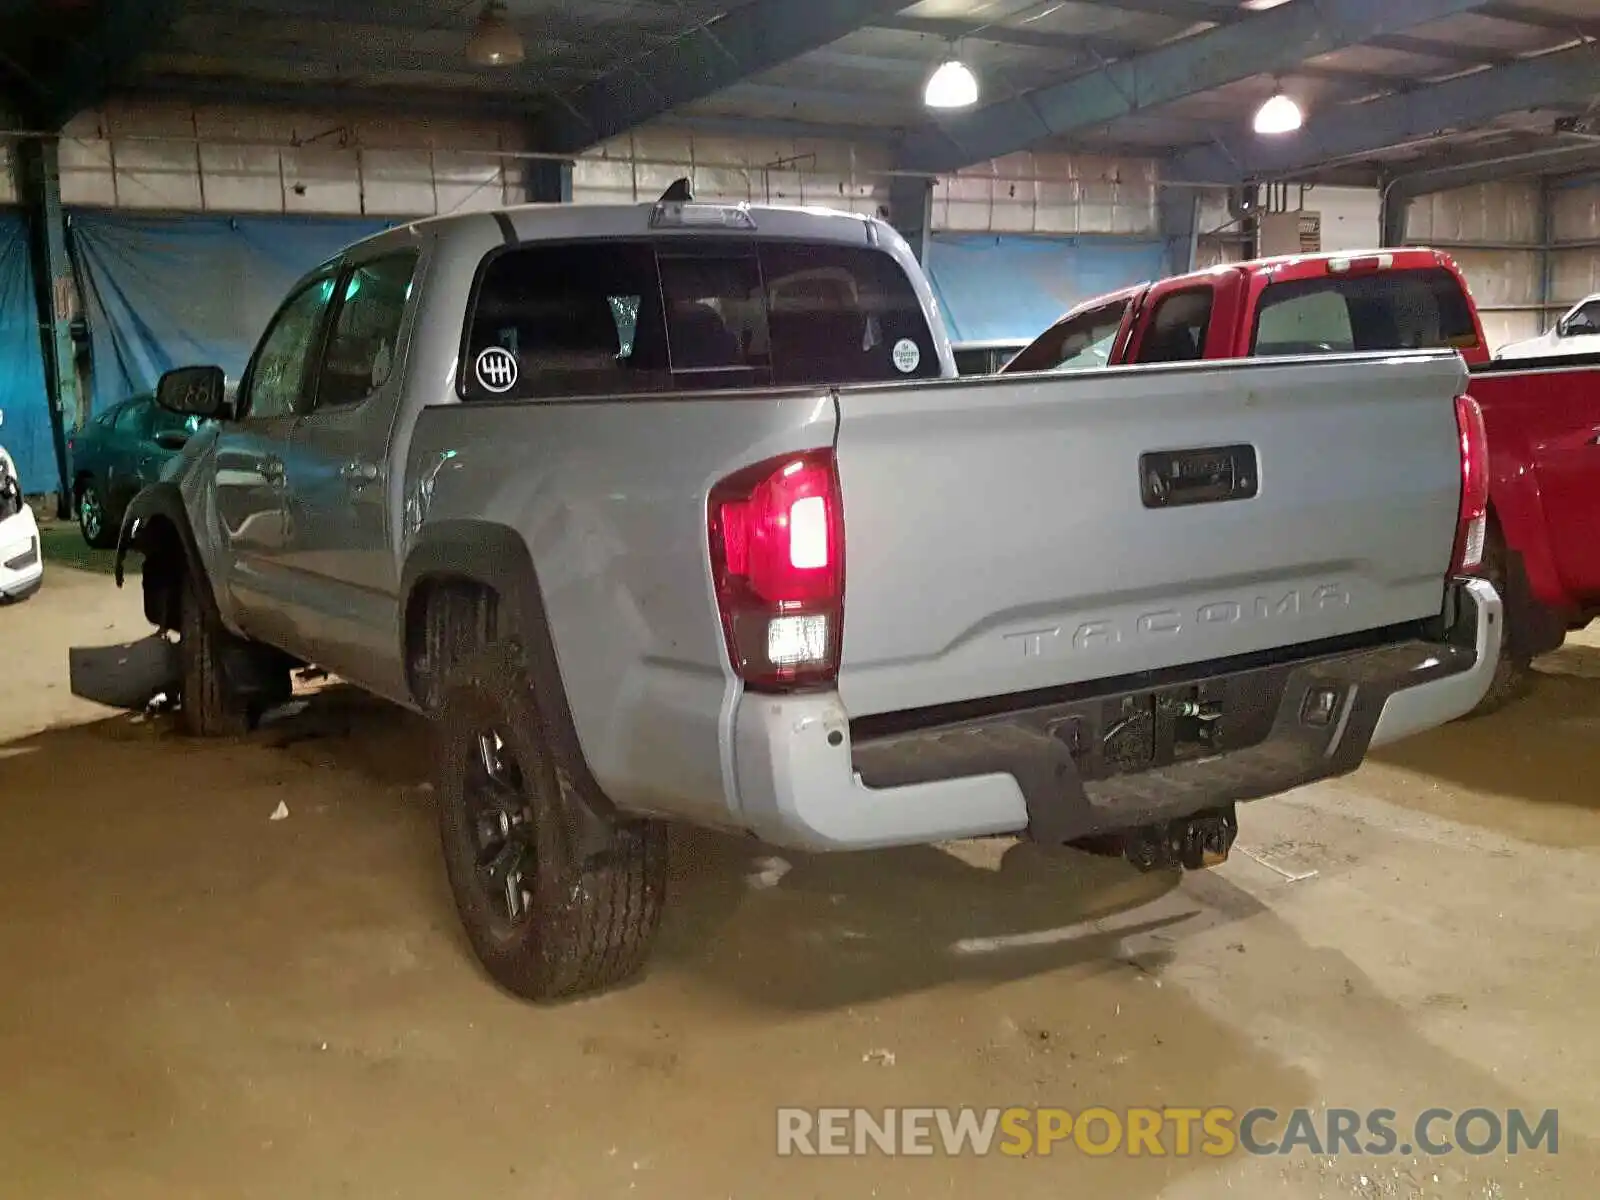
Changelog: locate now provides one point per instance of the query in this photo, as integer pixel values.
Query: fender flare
(163, 501)
(495, 556)
(481, 552)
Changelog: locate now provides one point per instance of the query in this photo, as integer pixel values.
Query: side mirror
(172, 439)
(193, 392)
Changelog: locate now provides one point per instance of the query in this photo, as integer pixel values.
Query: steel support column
(1179, 214)
(1547, 258)
(548, 181)
(39, 185)
(911, 211)
(1394, 210)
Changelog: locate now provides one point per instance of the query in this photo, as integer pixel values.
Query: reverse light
(776, 537)
(1473, 521)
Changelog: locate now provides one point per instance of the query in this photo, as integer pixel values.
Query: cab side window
(1081, 343)
(1177, 329)
(280, 372)
(365, 333)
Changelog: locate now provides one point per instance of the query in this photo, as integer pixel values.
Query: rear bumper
(1058, 767)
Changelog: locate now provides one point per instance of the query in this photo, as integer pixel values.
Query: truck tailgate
(999, 536)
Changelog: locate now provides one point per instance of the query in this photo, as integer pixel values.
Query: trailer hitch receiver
(1193, 842)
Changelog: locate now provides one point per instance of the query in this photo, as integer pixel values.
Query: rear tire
(94, 522)
(210, 707)
(546, 921)
(1513, 674)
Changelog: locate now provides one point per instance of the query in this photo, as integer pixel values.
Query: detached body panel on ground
(680, 512)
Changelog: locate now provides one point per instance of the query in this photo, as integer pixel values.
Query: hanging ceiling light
(495, 42)
(953, 85)
(1280, 114)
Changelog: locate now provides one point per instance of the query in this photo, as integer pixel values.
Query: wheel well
(78, 480)
(165, 564)
(447, 617)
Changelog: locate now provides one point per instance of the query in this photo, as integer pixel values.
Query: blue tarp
(26, 431)
(163, 292)
(995, 287)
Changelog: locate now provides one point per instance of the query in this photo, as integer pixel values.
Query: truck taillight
(777, 557)
(1472, 524)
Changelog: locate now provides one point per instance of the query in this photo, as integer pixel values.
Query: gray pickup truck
(679, 512)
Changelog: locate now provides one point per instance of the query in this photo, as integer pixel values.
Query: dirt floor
(197, 1000)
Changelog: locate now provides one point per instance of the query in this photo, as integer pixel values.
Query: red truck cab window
(1177, 328)
(1379, 310)
(1078, 343)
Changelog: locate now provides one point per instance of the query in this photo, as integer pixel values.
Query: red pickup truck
(1542, 416)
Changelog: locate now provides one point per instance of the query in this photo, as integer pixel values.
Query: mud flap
(128, 675)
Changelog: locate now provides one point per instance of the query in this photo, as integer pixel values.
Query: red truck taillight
(1472, 524)
(777, 558)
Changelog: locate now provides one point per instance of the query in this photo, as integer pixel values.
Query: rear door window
(690, 314)
(1177, 329)
(360, 351)
(1383, 310)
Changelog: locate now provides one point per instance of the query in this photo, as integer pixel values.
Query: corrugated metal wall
(1492, 231)
(1351, 220)
(192, 158)
(1575, 237)
(639, 166)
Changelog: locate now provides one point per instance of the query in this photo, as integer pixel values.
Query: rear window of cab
(645, 316)
(1385, 310)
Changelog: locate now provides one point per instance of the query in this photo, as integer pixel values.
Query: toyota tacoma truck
(680, 512)
(1542, 415)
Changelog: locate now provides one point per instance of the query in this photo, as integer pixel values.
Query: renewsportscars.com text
(1169, 1131)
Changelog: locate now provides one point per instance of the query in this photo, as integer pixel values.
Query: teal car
(116, 454)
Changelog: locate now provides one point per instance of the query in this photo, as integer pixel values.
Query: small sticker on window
(497, 369)
(907, 356)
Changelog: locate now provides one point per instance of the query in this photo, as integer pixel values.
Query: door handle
(356, 472)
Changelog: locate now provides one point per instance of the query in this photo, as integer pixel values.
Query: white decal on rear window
(497, 369)
(907, 354)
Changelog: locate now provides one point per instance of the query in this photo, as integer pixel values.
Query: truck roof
(550, 222)
(1303, 266)
(1284, 267)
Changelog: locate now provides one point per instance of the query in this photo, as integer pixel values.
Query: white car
(21, 562)
(1576, 333)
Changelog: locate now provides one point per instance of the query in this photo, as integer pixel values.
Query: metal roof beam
(1356, 130)
(706, 59)
(1538, 18)
(1093, 46)
(1271, 41)
(1225, 14)
(1493, 165)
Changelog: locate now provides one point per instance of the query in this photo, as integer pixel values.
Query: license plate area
(1143, 730)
